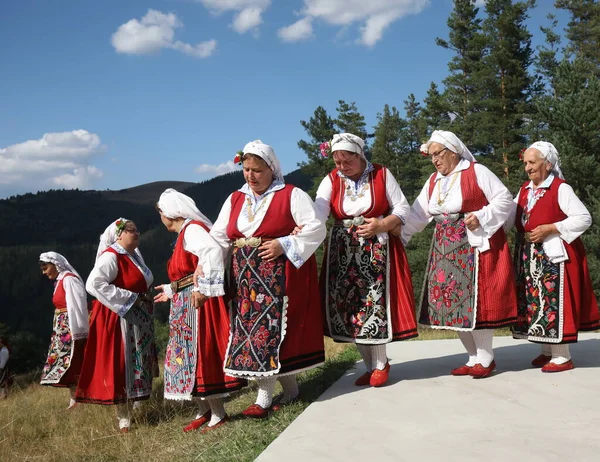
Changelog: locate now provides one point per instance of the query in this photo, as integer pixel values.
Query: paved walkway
(425, 414)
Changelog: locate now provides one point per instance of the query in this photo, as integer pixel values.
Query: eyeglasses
(438, 155)
(132, 231)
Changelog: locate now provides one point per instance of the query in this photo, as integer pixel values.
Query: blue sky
(117, 93)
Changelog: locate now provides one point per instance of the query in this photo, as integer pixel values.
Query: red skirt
(71, 376)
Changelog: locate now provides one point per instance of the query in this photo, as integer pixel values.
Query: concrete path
(425, 414)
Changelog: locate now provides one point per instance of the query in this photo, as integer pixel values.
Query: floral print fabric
(60, 350)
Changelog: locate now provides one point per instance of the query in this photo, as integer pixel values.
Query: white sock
(365, 353)
(290, 388)
(72, 402)
(560, 354)
(124, 415)
(547, 349)
(378, 357)
(266, 387)
(203, 408)
(483, 341)
(217, 411)
(467, 340)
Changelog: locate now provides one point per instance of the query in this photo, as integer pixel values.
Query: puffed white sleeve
(300, 247)
(419, 217)
(99, 285)
(198, 241)
(500, 202)
(399, 205)
(76, 306)
(578, 217)
(512, 215)
(323, 199)
(219, 228)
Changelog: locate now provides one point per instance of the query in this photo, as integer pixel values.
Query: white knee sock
(560, 354)
(72, 401)
(203, 408)
(266, 387)
(483, 341)
(365, 353)
(290, 388)
(124, 415)
(467, 340)
(217, 410)
(546, 349)
(378, 357)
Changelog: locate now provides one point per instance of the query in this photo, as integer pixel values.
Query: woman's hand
(297, 230)
(472, 222)
(371, 227)
(198, 299)
(199, 273)
(541, 232)
(161, 297)
(270, 250)
(397, 230)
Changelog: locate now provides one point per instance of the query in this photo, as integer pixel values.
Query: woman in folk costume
(555, 294)
(70, 326)
(120, 356)
(5, 375)
(469, 283)
(199, 317)
(365, 277)
(276, 325)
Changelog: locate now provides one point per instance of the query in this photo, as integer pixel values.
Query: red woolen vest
(183, 263)
(545, 211)
(59, 299)
(129, 276)
(473, 198)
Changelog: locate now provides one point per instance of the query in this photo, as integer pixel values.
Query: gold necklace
(441, 199)
(252, 215)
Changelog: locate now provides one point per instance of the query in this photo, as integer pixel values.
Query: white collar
(463, 164)
(276, 185)
(545, 184)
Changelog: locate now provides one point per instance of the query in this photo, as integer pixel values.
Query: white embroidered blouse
(76, 305)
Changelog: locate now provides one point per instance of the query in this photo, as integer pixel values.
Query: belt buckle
(248, 241)
(356, 221)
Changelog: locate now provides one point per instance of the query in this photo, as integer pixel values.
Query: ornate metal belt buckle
(249, 241)
(356, 221)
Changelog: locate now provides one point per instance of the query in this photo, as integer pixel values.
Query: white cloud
(154, 32)
(55, 160)
(300, 30)
(220, 169)
(480, 3)
(373, 16)
(248, 13)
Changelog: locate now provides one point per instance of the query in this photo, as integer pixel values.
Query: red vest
(129, 276)
(545, 211)
(59, 299)
(278, 220)
(379, 203)
(473, 198)
(183, 263)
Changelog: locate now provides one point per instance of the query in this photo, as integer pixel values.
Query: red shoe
(541, 361)
(462, 370)
(479, 372)
(255, 411)
(379, 378)
(551, 367)
(124, 430)
(210, 428)
(197, 423)
(364, 379)
(279, 403)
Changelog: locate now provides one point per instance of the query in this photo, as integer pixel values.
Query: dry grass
(36, 426)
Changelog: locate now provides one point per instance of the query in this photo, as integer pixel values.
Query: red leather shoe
(210, 428)
(541, 361)
(379, 378)
(479, 372)
(364, 379)
(197, 423)
(551, 367)
(255, 411)
(279, 403)
(124, 430)
(462, 370)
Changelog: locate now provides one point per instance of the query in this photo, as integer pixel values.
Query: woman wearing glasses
(470, 283)
(120, 356)
(368, 293)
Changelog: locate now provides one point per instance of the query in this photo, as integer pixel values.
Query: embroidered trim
(289, 248)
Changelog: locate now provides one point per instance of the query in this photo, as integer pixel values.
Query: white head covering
(109, 236)
(174, 204)
(61, 263)
(266, 153)
(549, 152)
(348, 142)
(450, 141)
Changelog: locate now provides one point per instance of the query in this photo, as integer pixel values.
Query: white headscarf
(174, 204)
(450, 141)
(109, 236)
(348, 142)
(266, 153)
(549, 152)
(61, 263)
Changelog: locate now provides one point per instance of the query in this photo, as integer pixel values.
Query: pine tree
(349, 120)
(435, 110)
(387, 145)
